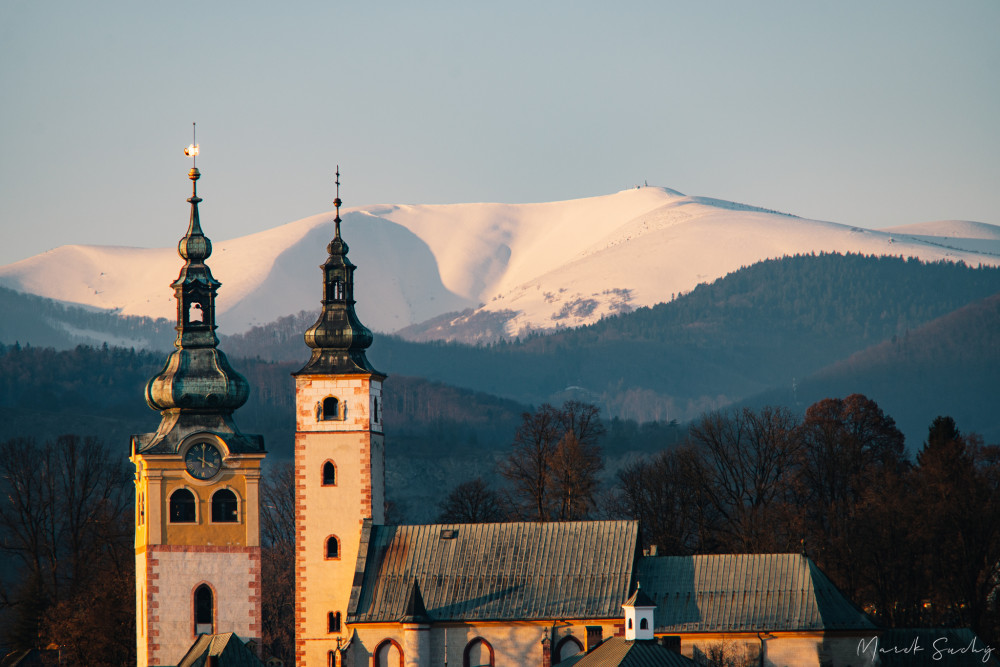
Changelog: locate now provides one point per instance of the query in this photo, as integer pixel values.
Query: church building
(374, 595)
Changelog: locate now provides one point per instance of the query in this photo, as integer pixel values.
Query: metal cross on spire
(336, 203)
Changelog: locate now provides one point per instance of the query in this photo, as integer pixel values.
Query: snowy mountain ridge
(528, 266)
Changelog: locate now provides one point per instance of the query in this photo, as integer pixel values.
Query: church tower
(339, 460)
(197, 536)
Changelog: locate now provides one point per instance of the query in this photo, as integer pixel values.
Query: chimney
(595, 635)
(652, 549)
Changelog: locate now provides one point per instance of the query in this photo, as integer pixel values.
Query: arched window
(329, 474)
(388, 654)
(331, 659)
(333, 622)
(182, 507)
(375, 409)
(567, 646)
(644, 623)
(630, 624)
(332, 547)
(225, 507)
(204, 611)
(331, 409)
(478, 653)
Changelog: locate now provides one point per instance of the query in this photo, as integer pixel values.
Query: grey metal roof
(496, 571)
(227, 647)
(745, 593)
(617, 652)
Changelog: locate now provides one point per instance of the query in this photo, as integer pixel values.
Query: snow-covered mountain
(529, 266)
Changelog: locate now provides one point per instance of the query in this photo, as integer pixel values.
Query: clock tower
(197, 535)
(339, 461)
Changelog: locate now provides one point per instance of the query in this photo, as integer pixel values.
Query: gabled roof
(227, 647)
(745, 593)
(495, 571)
(617, 652)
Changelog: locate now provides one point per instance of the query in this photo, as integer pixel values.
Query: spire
(197, 389)
(338, 339)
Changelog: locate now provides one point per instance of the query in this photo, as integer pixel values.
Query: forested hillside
(47, 323)
(947, 366)
(765, 326)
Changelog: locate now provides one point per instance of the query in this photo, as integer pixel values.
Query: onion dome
(197, 390)
(338, 339)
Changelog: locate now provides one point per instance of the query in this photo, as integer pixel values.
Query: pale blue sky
(866, 113)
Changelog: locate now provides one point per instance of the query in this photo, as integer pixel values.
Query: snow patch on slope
(509, 267)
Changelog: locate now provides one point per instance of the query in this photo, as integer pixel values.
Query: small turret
(638, 616)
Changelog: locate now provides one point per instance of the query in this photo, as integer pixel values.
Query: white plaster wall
(514, 645)
(177, 574)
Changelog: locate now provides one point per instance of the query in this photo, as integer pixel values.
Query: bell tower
(197, 535)
(339, 460)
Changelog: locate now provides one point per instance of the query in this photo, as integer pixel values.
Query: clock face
(203, 461)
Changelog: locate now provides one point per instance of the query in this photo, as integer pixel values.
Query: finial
(336, 203)
(192, 152)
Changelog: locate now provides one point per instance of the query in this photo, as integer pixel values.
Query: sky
(866, 113)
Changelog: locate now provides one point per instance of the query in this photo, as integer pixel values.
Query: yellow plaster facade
(174, 558)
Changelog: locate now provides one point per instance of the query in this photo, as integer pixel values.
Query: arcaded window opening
(333, 621)
(383, 654)
(478, 653)
(568, 646)
(183, 508)
(332, 409)
(329, 474)
(225, 507)
(204, 610)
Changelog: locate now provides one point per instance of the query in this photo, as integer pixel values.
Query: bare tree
(746, 469)
(555, 461)
(660, 492)
(66, 524)
(277, 519)
(472, 502)
(850, 450)
(528, 468)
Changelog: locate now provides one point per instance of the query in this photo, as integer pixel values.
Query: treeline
(915, 542)
(66, 537)
(746, 333)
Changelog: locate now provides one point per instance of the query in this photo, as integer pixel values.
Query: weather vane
(192, 150)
